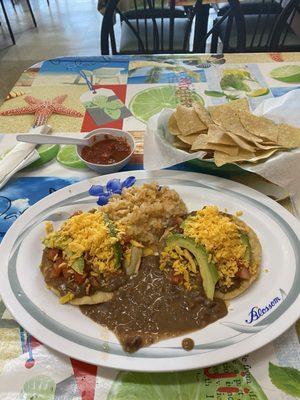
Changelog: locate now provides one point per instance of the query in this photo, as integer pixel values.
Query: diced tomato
(79, 278)
(58, 262)
(243, 273)
(67, 273)
(176, 279)
(58, 267)
(53, 254)
(55, 272)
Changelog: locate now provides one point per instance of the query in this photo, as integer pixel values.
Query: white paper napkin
(20, 156)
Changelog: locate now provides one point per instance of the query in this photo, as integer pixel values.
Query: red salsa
(110, 150)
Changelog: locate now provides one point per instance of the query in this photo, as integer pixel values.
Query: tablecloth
(129, 90)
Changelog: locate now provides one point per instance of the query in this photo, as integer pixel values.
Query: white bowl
(98, 135)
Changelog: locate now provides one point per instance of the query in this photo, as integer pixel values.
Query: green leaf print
(100, 101)
(286, 379)
(214, 93)
(113, 114)
(89, 104)
(226, 381)
(114, 104)
(235, 82)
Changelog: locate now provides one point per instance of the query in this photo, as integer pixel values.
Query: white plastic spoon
(49, 139)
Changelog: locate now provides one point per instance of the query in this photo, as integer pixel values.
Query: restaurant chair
(252, 7)
(31, 12)
(7, 22)
(152, 28)
(270, 26)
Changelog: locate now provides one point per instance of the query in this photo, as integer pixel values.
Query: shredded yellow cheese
(82, 235)
(181, 262)
(49, 227)
(221, 238)
(65, 299)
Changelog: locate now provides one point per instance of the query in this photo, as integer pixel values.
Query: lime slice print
(259, 92)
(287, 73)
(40, 387)
(155, 386)
(67, 156)
(228, 381)
(47, 152)
(151, 101)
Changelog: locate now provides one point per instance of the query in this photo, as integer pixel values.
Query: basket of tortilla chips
(229, 133)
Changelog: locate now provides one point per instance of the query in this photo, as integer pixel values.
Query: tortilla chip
(203, 143)
(216, 134)
(230, 150)
(268, 146)
(188, 121)
(96, 298)
(288, 136)
(172, 126)
(181, 145)
(230, 121)
(203, 114)
(200, 141)
(237, 106)
(233, 133)
(240, 105)
(262, 154)
(259, 126)
(189, 139)
(241, 142)
(222, 158)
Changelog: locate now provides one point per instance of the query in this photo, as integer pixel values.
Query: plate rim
(159, 364)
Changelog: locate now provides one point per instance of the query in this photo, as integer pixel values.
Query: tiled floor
(67, 27)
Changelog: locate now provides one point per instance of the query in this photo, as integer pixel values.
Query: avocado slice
(133, 261)
(78, 265)
(208, 269)
(117, 246)
(58, 239)
(246, 242)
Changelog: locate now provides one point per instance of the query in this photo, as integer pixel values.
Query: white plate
(267, 309)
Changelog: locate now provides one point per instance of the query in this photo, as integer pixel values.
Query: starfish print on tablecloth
(43, 109)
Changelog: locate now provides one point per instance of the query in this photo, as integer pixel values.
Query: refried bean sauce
(149, 308)
(110, 150)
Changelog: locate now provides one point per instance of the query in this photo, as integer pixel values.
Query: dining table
(72, 95)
